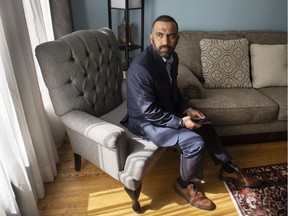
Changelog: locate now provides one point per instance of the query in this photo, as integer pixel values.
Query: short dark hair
(165, 18)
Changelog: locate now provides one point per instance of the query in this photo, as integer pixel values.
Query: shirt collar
(170, 60)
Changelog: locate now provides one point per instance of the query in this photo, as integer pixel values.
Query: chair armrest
(100, 131)
(189, 85)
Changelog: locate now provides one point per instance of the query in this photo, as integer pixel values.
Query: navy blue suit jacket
(154, 106)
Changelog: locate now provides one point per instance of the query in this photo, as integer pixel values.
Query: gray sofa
(240, 114)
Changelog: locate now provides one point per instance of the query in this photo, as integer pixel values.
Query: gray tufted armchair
(83, 73)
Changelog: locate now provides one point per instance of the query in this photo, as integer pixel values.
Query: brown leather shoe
(194, 197)
(240, 177)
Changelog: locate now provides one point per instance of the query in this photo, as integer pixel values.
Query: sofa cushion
(265, 37)
(189, 51)
(236, 106)
(225, 63)
(279, 95)
(268, 65)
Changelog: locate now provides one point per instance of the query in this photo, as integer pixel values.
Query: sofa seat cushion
(236, 106)
(279, 95)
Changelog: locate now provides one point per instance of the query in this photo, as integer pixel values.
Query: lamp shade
(121, 4)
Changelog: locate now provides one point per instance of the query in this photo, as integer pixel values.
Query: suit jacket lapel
(161, 65)
(163, 72)
(174, 80)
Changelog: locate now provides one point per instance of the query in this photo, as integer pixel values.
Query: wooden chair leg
(77, 162)
(134, 195)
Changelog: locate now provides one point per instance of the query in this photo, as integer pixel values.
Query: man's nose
(165, 39)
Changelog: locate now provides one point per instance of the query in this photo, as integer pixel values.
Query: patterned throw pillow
(225, 63)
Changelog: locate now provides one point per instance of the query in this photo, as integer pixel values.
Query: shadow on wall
(79, 14)
(89, 14)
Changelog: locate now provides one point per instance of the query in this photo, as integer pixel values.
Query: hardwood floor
(92, 192)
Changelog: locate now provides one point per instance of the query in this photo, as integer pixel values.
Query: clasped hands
(192, 114)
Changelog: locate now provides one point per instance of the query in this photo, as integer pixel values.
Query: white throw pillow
(268, 65)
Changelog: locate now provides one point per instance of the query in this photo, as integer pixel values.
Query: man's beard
(163, 54)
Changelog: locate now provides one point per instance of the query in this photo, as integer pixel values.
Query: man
(158, 112)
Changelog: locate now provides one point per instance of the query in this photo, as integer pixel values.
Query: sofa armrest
(188, 84)
(102, 132)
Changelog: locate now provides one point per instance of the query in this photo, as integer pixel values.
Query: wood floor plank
(93, 192)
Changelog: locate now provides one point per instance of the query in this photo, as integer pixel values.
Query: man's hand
(194, 114)
(189, 124)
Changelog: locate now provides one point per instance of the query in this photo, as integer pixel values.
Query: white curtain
(28, 154)
(39, 22)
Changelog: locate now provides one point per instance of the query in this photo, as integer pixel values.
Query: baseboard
(254, 138)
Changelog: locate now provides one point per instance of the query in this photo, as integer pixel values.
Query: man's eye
(159, 35)
(169, 36)
(172, 36)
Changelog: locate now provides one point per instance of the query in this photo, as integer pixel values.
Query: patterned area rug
(268, 199)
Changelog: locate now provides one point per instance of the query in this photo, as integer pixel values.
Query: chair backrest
(82, 71)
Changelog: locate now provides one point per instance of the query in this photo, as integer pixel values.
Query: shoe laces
(194, 188)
